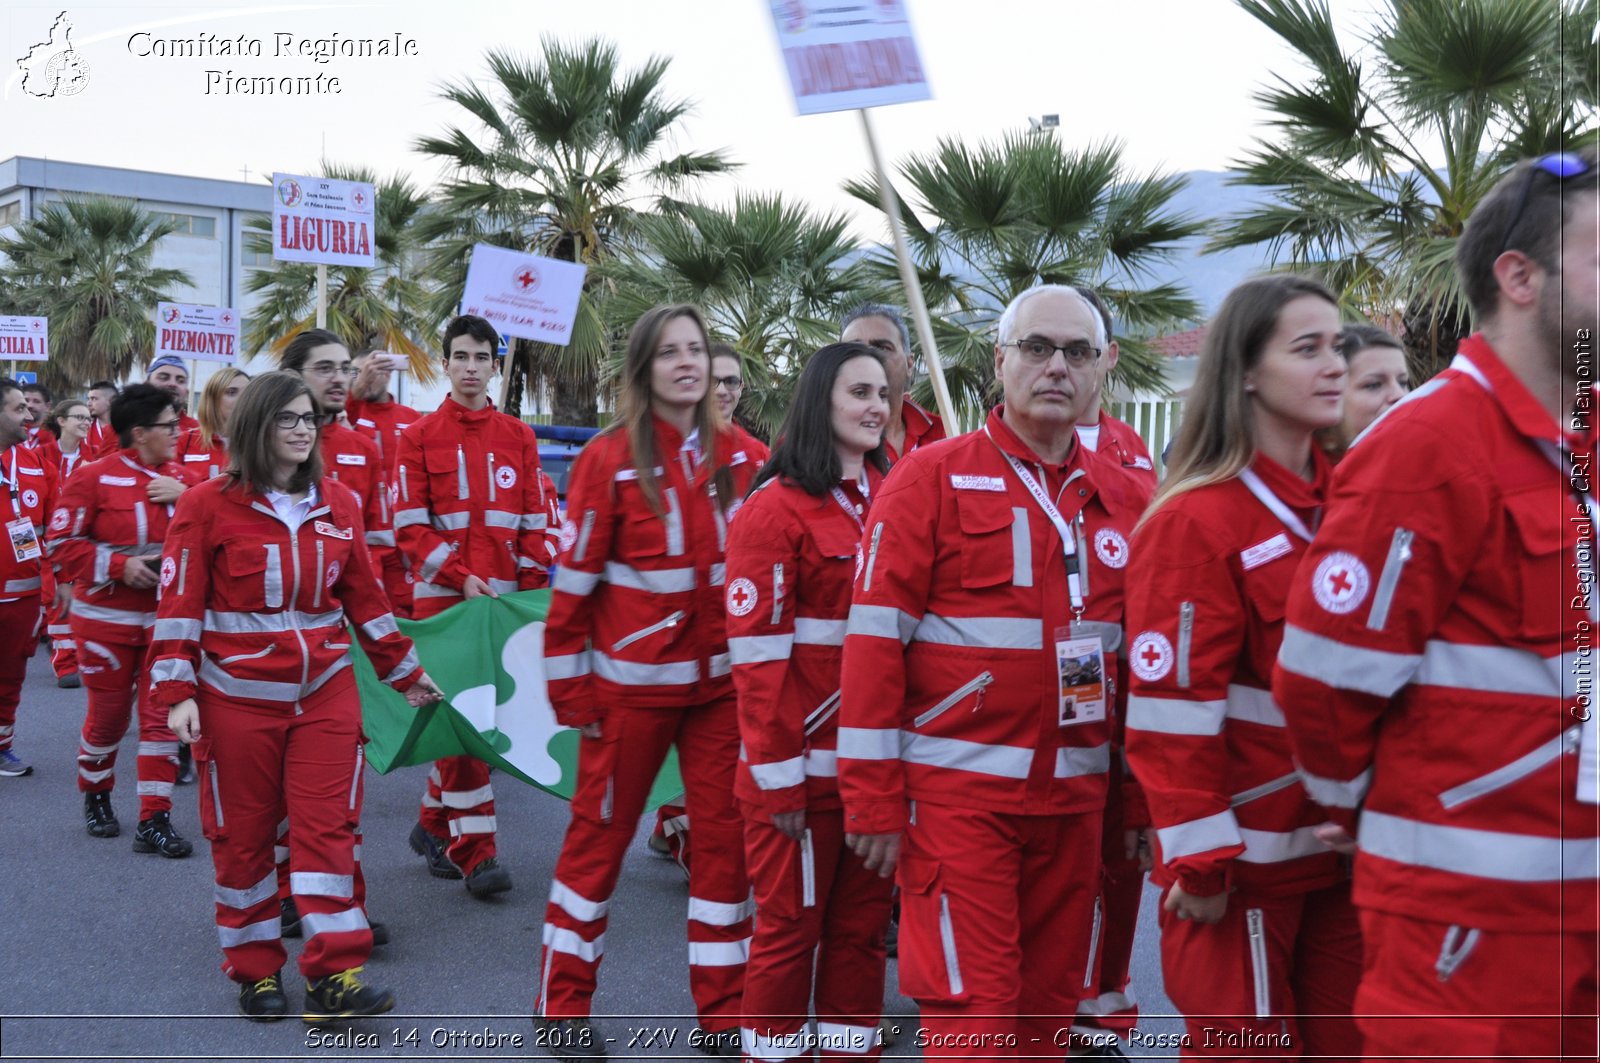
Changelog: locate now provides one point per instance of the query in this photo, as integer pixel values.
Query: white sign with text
(209, 333)
(24, 339)
(522, 294)
(316, 219)
(849, 54)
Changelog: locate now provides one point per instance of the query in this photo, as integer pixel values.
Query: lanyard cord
(1077, 585)
(1275, 505)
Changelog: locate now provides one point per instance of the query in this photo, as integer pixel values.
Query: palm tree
(87, 265)
(562, 156)
(1380, 154)
(1004, 216)
(386, 305)
(773, 277)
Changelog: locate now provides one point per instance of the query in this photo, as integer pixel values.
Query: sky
(1172, 79)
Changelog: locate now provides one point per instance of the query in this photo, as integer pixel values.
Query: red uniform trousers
(459, 801)
(113, 674)
(815, 899)
(1276, 977)
(58, 625)
(280, 857)
(19, 635)
(253, 764)
(615, 773)
(995, 910)
(1107, 1004)
(1430, 990)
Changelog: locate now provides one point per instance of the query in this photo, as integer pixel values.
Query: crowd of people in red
(1317, 679)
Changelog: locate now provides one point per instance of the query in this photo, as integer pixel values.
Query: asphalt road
(109, 954)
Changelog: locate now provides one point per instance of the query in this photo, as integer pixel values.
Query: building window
(10, 213)
(190, 224)
(255, 259)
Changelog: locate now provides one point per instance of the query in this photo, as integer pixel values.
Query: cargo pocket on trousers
(213, 824)
(930, 955)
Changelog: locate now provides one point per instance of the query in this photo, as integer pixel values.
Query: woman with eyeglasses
(1260, 945)
(265, 577)
(205, 449)
(791, 563)
(105, 540)
(69, 423)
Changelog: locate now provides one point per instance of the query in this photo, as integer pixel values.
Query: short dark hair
(722, 350)
(139, 406)
(475, 327)
(251, 427)
(1525, 211)
(103, 385)
(39, 389)
(804, 453)
(8, 384)
(299, 349)
(883, 310)
(1099, 306)
(1353, 339)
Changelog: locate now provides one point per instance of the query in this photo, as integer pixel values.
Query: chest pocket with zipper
(448, 470)
(1543, 563)
(989, 557)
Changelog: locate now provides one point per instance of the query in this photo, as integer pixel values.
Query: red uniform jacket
(922, 427)
(471, 503)
(755, 451)
(27, 491)
(262, 614)
(103, 518)
(1436, 661)
(1211, 573)
(207, 462)
(1121, 445)
(636, 618)
(353, 460)
(951, 679)
(101, 440)
(791, 561)
(382, 422)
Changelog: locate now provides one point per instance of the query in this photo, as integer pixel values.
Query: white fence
(1156, 421)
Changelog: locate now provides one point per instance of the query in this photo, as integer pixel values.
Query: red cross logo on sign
(227, 319)
(1150, 656)
(1340, 582)
(741, 597)
(526, 278)
(360, 200)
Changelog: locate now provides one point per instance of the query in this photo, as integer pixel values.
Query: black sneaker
(264, 1001)
(157, 835)
(488, 878)
(185, 764)
(70, 681)
(380, 933)
(432, 848)
(98, 816)
(569, 1040)
(718, 1042)
(289, 918)
(342, 996)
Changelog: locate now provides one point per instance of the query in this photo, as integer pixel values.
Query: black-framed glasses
(1036, 350)
(328, 369)
(1561, 165)
(165, 426)
(288, 420)
(732, 383)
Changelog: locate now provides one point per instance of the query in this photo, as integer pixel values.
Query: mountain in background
(1210, 277)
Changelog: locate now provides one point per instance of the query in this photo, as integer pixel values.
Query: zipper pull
(983, 687)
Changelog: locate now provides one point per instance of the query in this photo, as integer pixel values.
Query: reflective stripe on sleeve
(1344, 667)
(177, 628)
(405, 518)
(23, 586)
(1253, 705)
(568, 666)
(1275, 847)
(1337, 793)
(1220, 831)
(881, 621)
(981, 632)
(408, 664)
(869, 743)
(654, 581)
(450, 521)
(380, 627)
(571, 581)
(172, 670)
(812, 631)
(638, 674)
(1486, 854)
(779, 775)
(1175, 716)
(434, 562)
(758, 649)
(104, 614)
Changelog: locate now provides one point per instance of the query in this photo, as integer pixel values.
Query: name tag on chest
(978, 483)
(350, 459)
(324, 528)
(1261, 553)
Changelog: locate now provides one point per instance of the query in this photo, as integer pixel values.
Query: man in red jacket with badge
(29, 493)
(978, 695)
(472, 520)
(1435, 671)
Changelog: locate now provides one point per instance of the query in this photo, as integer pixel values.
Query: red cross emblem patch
(1340, 583)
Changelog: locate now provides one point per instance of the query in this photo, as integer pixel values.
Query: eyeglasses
(288, 420)
(76, 417)
(165, 426)
(327, 369)
(1036, 350)
(1560, 165)
(732, 383)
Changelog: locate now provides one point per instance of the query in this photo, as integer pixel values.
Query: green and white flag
(487, 655)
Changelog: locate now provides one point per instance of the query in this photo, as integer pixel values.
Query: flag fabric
(487, 655)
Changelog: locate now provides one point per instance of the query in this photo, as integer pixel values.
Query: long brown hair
(1217, 440)
(209, 413)
(254, 428)
(634, 402)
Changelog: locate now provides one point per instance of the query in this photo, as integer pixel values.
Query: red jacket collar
(1510, 394)
(1010, 443)
(451, 408)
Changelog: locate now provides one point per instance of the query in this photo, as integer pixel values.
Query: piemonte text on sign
(207, 333)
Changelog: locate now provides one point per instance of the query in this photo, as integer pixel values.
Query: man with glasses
(170, 374)
(472, 521)
(974, 729)
(373, 413)
(884, 328)
(1436, 672)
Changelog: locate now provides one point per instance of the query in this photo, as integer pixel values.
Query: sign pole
(908, 279)
(508, 366)
(322, 295)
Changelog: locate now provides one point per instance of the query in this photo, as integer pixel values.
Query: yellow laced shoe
(343, 996)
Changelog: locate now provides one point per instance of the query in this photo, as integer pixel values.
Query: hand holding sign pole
(853, 56)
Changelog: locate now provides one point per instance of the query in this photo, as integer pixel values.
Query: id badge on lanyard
(24, 540)
(1081, 669)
